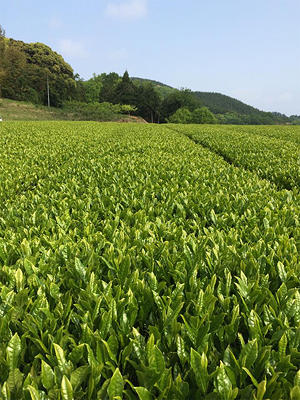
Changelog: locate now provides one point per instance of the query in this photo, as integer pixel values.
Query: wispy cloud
(72, 48)
(126, 10)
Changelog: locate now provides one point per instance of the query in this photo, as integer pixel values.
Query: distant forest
(27, 70)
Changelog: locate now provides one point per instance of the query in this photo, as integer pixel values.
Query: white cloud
(72, 48)
(129, 9)
(118, 55)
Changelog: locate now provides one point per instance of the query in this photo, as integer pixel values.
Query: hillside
(218, 103)
(162, 88)
(11, 110)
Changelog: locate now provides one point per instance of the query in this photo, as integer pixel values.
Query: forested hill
(25, 68)
(220, 104)
(217, 103)
(162, 88)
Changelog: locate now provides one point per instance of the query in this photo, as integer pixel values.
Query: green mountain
(218, 103)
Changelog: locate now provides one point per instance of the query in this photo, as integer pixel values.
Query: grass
(11, 110)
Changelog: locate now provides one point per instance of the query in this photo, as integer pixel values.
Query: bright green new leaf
(249, 353)
(295, 393)
(223, 383)
(79, 375)
(66, 389)
(19, 279)
(13, 351)
(62, 363)
(143, 393)
(80, 268)
(157, 362)
(282, 347)
(47, 376)
(14, 381)
(116, 385)
(199, 366)
(34, 393)
(261, 390)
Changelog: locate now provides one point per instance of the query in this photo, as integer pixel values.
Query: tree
(26, 69)
(93, 88)
(14, 79)
(179, 99)
(108, 89)
(203, 116)
(2, 48)
(126, 91)
(149, 102)
(127, 109)
(181, 116)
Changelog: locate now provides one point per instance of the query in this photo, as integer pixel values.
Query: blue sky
(248, 49)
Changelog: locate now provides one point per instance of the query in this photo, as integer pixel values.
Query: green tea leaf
(182, 354)
(116, 385)
(295, 393)
(14, 382)
(157, 362)
(13, 351)
(62, 363)
(66, 389)
(80, 268)
(19, 279)
(143, 393)
(47, 376)
(282, 347)
(250, 352)
(223, 383)
(34, 393)
(199, 366)
(261, 390)
(79, 375)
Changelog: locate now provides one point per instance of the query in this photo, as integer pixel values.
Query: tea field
(148, 262)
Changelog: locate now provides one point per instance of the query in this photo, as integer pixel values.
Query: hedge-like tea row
(136, 264)
(272, 152)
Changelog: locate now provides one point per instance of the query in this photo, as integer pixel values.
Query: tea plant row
(271, 152)
(136, 264)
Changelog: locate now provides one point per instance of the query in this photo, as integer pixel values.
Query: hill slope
(218, 103)
(11, 110)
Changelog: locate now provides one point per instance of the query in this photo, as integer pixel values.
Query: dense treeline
(143, 95)
(233, 111)
(27, 70)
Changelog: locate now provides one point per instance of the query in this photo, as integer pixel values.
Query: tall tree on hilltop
(108, 89)
(150, 102)
(126, 91)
